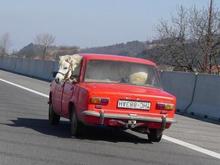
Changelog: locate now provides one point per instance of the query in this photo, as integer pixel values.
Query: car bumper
(163, 119)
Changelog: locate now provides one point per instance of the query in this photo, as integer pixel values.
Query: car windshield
(122, 72)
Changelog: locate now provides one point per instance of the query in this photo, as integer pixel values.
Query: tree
(205, 30)
(176, 45)
(4, 44)
(191, 40)
(45, 40)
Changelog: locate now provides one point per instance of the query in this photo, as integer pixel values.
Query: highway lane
(27, 138)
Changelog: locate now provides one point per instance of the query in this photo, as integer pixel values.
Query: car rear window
(122, 72)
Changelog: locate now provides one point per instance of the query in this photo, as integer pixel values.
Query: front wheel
(76, 126)
(54, 119)
(155, 135)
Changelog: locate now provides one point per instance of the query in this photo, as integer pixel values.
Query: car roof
(93, 56)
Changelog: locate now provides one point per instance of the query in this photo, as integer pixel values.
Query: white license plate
(133, 104)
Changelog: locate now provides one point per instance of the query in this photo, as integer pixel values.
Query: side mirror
(54, 74)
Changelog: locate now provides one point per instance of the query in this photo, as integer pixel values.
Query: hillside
(132, 48)
(147, 50)
(35, 51)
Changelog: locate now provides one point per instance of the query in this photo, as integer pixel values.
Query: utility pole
(209, 37)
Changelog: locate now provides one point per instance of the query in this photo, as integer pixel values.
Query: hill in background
(147, 50)
(132, 48)
(53, 52)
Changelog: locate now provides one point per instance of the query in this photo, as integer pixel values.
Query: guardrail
(197, 94)
(182, 85)
(29, 67)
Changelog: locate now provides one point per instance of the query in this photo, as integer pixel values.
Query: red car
(114, 91)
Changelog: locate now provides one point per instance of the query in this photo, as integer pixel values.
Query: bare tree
(45, 40)
(192, 38)
(176, 41)
(4, 44)
(205, 31)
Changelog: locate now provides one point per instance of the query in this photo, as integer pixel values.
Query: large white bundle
(138, 78)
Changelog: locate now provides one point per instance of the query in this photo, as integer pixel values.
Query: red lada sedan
(113, 91)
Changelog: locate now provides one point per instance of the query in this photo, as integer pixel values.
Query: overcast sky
(86, 23)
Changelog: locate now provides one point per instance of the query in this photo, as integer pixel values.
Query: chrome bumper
(102, 115)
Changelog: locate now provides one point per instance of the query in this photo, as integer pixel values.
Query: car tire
(76, 127)
(155, 135)
(54, 119)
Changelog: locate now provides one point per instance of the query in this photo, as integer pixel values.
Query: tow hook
(131, 124)
(164, 121)
(102, 117)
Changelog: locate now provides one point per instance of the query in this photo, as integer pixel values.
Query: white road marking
(25, 88)
(192, 147)
(170, 139)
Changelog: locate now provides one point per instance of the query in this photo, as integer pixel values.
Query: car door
(69, 91)
(57, 97)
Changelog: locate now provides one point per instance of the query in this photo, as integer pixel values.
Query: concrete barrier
(7, 63)
(206, 101)
(181, 85)
(48, 67)
(29, 67)
(18, 65)
(1, 62)
(25, 66)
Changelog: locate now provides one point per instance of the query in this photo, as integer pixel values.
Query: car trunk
(128, 98)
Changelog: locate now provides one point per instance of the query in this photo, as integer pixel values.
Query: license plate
(133, 104)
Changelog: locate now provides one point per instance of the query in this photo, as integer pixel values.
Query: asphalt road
(26, 138)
